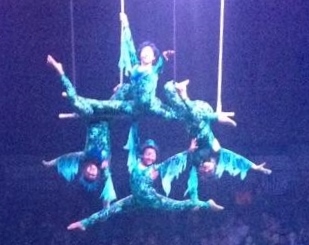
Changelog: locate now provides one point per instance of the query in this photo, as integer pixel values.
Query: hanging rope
(121, 39)
(219, 100)
(174, 42)
(71, 115)
(72, 43)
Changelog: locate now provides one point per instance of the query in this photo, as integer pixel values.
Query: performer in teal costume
(210, 158)
(90, 166)
(133, 99)
(142, 174)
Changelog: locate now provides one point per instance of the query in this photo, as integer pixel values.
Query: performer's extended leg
(173, 97)
(123, 93)
(161, 110)
(122, 205)
(164, 203)
(87, 106)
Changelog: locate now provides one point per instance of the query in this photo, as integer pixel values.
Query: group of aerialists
(136, 99)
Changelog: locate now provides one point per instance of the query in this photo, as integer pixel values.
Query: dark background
(265, 69)
(265, 80)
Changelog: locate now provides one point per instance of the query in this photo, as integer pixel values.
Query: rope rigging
(174, 41)
(72, 42)
(219, 94)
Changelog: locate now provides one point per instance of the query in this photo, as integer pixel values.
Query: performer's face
(208, 168)
(91, 172)
(149, 156)
(147, 55)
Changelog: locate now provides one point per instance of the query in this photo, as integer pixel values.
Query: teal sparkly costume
(133, 99)
(144, 195)
(198, 117)
(97, 149)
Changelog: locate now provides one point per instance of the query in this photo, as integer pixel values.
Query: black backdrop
(265, 70)
(265, 79)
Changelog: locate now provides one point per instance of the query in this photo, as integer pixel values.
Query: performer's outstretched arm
(67, 165)
(172, 167)
(236, 164)
(128, 50)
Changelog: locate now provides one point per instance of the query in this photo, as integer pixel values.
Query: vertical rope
(121, 39)
(72, 42)
(219, 100)
(174, 42)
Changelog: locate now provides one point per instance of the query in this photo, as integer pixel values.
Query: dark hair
(149, 144)
(97, 156)
(156, 51)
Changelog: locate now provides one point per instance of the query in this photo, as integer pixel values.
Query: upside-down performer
(142, 174)
(90, 167)
(138, 97)
(210, 158)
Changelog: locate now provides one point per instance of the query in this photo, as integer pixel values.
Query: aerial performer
(143, 172)
(136, 98)
(210, 159)
(91, 167)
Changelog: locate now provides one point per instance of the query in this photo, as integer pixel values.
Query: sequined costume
(144, 195)
(97, 149)
(198, 117)
(138, 97)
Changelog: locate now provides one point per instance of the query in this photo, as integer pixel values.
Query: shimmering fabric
(198, 117)
(139, 106)
(143, 81)
(136, 98)
(132, 146)
(143, 196)
(128, 57)
(232, 163)
(97, 149)
(171, 169)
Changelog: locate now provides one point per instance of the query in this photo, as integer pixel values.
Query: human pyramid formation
(137, 99)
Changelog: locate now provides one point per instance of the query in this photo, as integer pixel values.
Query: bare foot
(181, 87)
(225, 118)
(56, 65)
(267, 171)
(76, 226)
(48, 163)
(214, 206)
(261, 168)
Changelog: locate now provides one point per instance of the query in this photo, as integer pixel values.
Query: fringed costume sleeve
(128, 56)
(132, 147)
(171, 168)
(68, 165)
(233, 163)
(108, 192)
